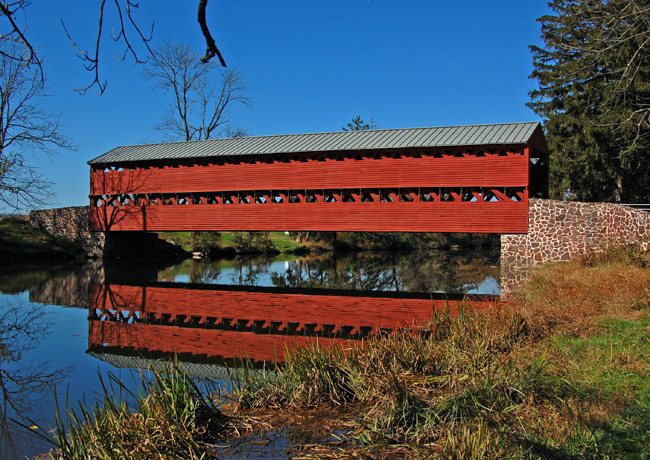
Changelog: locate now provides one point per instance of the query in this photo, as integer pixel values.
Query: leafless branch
(24, 128)
(15, 30)
(212, 49)
(91, 60)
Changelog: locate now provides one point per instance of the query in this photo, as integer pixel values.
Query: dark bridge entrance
(452, 179)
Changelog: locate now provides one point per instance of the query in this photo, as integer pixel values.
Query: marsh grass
(169, 417)
(561, 372)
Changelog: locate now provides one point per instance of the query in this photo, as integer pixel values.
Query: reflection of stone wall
(559, 230)
(70, 223)
(511, 278)
(69, 290)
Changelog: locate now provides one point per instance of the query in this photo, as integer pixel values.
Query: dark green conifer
(593, 72)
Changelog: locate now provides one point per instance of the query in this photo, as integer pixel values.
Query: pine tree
(358, 124)
(594, 95)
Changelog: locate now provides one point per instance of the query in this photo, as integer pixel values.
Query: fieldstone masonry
(559, 230)
(73, 223)
(70, 223)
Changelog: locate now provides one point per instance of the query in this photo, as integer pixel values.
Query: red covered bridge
(446, 179)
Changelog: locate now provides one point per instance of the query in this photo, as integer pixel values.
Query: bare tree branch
(212, 49)
(122, 32)
(91, 60)
(15, 30)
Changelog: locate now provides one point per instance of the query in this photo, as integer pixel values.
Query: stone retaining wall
(70, 223)
(73, 223)
(559, 230)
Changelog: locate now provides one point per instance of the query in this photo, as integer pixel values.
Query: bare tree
(202, 94)
(24, 128)
(126, 30)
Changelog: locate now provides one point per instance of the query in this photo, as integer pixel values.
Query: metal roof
(447, 136)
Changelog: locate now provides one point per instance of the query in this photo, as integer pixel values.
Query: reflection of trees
(22, 383)
(248, 270)
(204, 272)
(424, 271)
(237, 272)
(445, 271)
(363, 272)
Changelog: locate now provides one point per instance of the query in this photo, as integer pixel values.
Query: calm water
(60, 326)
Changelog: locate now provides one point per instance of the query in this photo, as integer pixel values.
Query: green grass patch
(181, 239)
(240, 241)
(615, 361)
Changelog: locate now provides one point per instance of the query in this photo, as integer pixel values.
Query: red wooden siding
(494, 171)
(379, 217)
(114, 308)
(439, 190)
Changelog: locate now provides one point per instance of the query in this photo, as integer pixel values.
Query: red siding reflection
(227, 323)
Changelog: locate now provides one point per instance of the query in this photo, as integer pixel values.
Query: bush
(205, 242)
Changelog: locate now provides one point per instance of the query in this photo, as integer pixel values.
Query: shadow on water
(209, 314)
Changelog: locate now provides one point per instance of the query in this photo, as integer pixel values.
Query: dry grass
(546, 376)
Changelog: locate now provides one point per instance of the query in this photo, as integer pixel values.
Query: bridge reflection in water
(222, 324)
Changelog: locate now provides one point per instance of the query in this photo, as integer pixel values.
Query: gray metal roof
(448, 136)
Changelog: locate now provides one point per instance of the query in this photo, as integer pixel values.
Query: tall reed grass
(168, 417)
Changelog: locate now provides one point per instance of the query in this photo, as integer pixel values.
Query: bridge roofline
(380, 139)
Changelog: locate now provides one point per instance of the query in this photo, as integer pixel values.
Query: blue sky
(311, 66)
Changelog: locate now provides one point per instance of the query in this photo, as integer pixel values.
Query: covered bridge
(444, 179)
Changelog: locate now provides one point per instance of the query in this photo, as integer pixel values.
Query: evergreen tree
(358, 124)
(594, 95)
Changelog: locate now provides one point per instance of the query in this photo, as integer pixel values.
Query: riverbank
(21, 244)
(220, 244)
(562, 371)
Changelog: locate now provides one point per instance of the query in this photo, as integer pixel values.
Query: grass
(280, 242)
(181, 239)
(169, 418)
(563, 371)
(22, 243)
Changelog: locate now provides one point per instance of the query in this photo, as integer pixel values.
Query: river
(62, 325)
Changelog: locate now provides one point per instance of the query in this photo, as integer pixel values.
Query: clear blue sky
(311, 66)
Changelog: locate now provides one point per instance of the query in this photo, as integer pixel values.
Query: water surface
(60, 326)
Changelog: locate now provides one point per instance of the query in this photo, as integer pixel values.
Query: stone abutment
(561, 230)
(72, 223)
